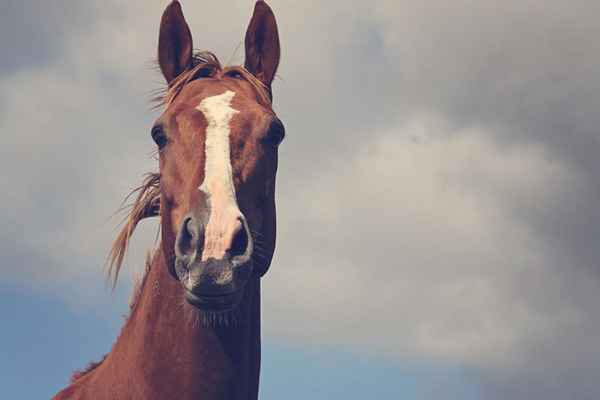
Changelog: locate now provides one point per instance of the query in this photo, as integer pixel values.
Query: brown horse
(194, 327)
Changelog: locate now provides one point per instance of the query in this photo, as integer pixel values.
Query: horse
(194, 326)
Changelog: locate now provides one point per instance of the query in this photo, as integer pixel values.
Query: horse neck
(168, 346)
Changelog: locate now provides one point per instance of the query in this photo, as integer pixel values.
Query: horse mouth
(222, 302)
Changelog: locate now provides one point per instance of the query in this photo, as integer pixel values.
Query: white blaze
(218, 178)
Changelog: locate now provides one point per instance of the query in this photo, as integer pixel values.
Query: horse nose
(213, 259)
(190, 238)
(222, 239)
(226, 238)
(240, 244)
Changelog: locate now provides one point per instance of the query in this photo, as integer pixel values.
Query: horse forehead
(227, 106)
(197, 91)
(217, 109)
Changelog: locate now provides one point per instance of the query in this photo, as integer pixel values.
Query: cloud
(32, 33)
(449, 209)
(415, 247)
(417, 237)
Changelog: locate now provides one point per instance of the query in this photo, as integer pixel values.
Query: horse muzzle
(214, 262)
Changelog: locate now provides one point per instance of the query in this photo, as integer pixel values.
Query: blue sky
(45, 340)
(437, 192)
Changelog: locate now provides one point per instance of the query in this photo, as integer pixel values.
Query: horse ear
(262, 44)
(174, 42)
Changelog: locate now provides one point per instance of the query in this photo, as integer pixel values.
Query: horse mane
(80, 373)
(138, 287)
(145, 205)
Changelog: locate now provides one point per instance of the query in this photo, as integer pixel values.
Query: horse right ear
(174, 43)
(262, 44)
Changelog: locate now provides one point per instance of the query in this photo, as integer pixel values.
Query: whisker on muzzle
(210, 319)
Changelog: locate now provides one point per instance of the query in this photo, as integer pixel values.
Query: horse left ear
(262, 44)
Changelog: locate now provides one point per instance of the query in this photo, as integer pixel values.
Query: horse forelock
(206, 64)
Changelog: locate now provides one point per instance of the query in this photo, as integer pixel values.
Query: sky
(438, 227)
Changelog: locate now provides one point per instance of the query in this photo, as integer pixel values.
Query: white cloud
(412, 247)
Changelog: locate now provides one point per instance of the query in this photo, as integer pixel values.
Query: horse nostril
(188, 238)
(239, 244)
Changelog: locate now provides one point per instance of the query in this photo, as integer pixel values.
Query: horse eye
(159, 136)
(276, 133)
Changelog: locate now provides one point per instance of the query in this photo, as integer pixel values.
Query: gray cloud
(449, 209)
(32, 33)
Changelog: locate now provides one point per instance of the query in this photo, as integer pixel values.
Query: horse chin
(214, 303)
